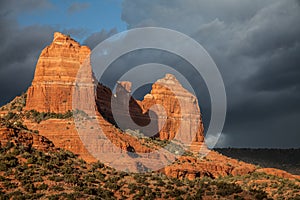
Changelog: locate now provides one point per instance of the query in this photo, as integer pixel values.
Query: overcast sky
(255, 44)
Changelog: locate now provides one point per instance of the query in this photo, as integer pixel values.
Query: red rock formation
(213, 165)
(182, 113)
(25, 138)
(63, 134)
(55, 74)
(64, 81)
(178, 115)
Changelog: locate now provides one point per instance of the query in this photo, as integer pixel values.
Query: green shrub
(90, 191)
(57, 188)
(56, 178)
(29, 187)
(226, 189)
(18, 195)
(105, 194)
(41, 116)
(237, 197)
(9, 185)
(112, 186)
(9, 116)
(43, 186)
(259, 194)
(159, 182)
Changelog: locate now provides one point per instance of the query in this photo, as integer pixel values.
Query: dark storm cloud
(256, 47)
(20, 47)
(282, 70)
(77, 7)
(188, 15)
(270, 94)
(13, 7)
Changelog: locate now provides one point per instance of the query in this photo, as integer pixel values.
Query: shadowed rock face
(122, 110)
(176, 114)
(55, 74)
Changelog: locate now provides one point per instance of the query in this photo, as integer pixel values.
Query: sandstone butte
(52, 90)
(55, 74)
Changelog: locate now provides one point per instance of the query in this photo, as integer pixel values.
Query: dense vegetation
(15, 112)
(26, 173)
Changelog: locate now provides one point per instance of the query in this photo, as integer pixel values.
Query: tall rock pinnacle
(55, 75)
(182, 113)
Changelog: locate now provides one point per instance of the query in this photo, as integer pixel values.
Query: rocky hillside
(28, 173)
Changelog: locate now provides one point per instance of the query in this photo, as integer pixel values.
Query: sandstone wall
(56, 71)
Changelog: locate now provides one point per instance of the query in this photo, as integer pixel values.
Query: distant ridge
(285, 159)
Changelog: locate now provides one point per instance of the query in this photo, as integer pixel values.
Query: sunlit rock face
(25, 138)
(56, 71)
(180, 117)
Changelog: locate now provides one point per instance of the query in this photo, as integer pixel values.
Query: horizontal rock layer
(55, 76)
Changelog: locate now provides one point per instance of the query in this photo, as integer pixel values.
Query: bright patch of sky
(82, 17)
